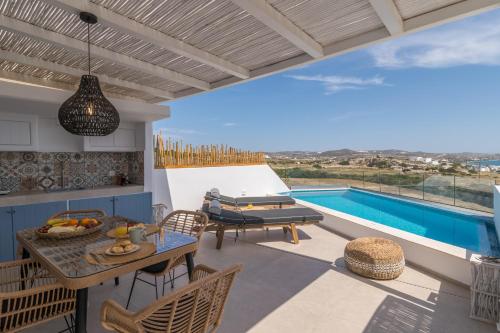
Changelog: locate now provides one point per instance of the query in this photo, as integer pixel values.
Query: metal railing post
(379, 182)
(399, 184)
(364, 180)
(454, 190)
(423, 186)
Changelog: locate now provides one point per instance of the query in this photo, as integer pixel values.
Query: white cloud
(229, 124)
(334, 83)
(472, 42)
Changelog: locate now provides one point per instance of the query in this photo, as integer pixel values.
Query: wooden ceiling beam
(36, 81)
(389, 15)
(268, 15)
(58, 68)
(447, 14)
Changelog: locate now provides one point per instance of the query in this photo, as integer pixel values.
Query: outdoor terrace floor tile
(306, 288)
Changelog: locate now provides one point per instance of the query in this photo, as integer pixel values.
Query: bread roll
(117, 249)
(124, 242)
(129, 247)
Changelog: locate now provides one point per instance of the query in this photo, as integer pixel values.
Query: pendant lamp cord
(88, 43)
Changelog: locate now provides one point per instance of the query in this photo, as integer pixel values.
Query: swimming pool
(469, 231)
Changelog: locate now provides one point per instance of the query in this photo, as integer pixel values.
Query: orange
(72, 222)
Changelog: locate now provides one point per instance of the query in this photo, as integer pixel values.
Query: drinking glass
(121, 228)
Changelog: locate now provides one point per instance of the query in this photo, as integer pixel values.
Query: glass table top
(68, 255)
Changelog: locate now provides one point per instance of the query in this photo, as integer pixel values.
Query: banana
(55, 221)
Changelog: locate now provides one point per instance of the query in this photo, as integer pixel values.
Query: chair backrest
(197, 307)
(186, 222)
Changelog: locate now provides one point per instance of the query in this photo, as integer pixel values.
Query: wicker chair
(182, 221)
(196, 307)
(29, 296)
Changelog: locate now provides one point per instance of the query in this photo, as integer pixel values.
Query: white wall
(54, 138)
(148, 156)
(496, 208)
(49, 136)
(185, 188)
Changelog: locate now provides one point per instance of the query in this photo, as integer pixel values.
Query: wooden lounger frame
(220, 228)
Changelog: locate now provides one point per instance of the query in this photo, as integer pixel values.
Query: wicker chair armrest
(115, 318)
(40, 289)
(17, 263)
(42, 277)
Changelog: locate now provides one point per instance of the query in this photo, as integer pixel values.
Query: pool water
(453, 227)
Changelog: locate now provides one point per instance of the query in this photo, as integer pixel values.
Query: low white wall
(496, 208)
(443, 259)
(184, 188)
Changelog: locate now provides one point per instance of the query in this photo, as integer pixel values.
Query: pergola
(158, 50)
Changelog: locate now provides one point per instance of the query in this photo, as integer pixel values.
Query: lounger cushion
(270, 216)
(256, 201)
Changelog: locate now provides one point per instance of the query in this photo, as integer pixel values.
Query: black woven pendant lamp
(88, 112)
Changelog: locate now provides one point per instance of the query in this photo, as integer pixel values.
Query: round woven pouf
(375, 258)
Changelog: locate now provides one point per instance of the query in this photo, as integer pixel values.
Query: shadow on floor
(402, 313)
(260, 289)
(397, 315)
(399, 312)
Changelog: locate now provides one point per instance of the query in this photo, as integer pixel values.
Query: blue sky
(437, 91)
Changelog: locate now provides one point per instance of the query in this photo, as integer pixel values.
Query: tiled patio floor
(306, 288)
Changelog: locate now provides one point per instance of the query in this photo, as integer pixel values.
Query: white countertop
(26, 198)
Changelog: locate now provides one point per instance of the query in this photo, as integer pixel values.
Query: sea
(485, 162)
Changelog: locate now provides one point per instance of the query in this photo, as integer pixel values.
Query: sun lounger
(287, 218)
(276, 200)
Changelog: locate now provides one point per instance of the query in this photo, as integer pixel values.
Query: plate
(135, 249)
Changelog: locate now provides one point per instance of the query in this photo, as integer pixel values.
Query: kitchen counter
(33, 197)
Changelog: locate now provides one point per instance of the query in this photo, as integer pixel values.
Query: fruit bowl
(70, 224)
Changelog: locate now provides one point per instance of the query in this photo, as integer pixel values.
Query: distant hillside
(349, 153)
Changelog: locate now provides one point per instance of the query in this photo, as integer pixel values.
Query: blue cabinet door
(6, 235)
(32, 216)
(104, 203)
(135, 206)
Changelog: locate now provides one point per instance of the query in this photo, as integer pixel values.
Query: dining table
(66, 259)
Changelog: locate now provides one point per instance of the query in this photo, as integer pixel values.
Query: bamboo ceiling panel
(37, 49)
(412, 8)
(216, 26)
(54, 19)
(215, 39)
(329, 21)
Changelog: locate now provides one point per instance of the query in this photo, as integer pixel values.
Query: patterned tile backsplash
(24, 171)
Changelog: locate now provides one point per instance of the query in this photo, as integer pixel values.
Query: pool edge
(446, 260)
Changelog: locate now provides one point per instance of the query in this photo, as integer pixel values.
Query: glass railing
(470, 192)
